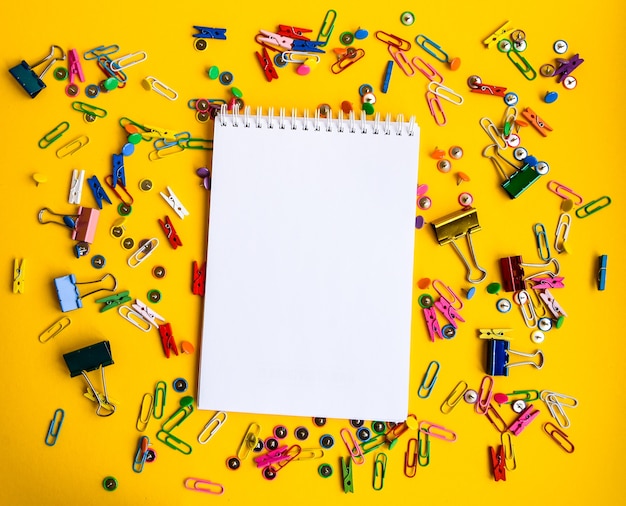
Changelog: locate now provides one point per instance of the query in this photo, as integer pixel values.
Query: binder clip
(522, 178)
(454, 226)
(26, 76)
(67, 291)
(512, 271)
(498, 352)
(91, 358)
(83, 224)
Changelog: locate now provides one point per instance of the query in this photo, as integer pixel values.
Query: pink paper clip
(434, 329)
(564, 192)
(206, 486)
(551, 303)
(74, 67)
(401, 60)
(484, 396)
(356, 454)
(429, 72)
(545, 283)
(440, 432)
(447, 293)
(524, 418)
(86, 224)
(436, 109)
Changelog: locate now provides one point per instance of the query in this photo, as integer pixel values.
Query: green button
(134, 138)
(213, 72)
(494, 288)
(368, 108)
(111, 83)
(237, 92)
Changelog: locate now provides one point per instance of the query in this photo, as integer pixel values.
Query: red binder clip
(170, 232)
(498, 463)
(542, 127)
(267, 65)
(512, 274)
(198, 278)
(167, 340)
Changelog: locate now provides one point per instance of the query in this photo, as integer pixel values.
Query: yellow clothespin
(495, 334)
(498, 35)
(19, 271)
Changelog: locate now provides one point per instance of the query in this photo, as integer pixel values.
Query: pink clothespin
(74, 67)
(524, 418)
(272, 456)
(147, 313)
(277, 40)
(434, 329)
(545, 283)
(450, 313)
(551, 303)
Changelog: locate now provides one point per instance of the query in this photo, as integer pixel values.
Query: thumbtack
(461, 177)
(40, 178)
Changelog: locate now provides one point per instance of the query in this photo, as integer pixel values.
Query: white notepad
(310, 266)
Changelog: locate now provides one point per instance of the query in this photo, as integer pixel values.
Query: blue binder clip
(68, 294)
(498, 352)
(98, 192)
(24, 74)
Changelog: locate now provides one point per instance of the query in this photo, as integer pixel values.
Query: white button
(560, 46)
(519, 406)
(503, 305)
(537, 337)
(471, 396)
(544, 324)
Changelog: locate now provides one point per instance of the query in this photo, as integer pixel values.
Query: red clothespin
(198, 278)
(512, 274)
(293, 32)
(434, 329)
(542, 127)
(545, 283)
(170, 232)
(449, 312)
(167, 340)
(524, 418)
(488, 89)
(498, 463)
(267, 65)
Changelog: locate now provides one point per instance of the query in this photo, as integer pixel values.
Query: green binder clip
(520, 180)
(90, 358)
(26, 76)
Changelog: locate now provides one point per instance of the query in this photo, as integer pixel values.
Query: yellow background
(585, 151)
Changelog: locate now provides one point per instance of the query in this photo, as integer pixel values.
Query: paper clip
(380, 468)
(528, 396)
(558, 436)
(53, 134)
(436, 109)
(562, 232)
(134, 317)
(145, 411)
(76, 187)
(206, 486)
(509, 451)
(485, 394)
(327, 27)
(393, 40)
(372, 444)
(450, 228)
(250, 440)
(143, 252)
(104, 62)
(94, 53)
(180, 415)
(403, 62)
(291, 454)
(429, 72)
(441, 433)
(552, 400)
(454, 397)
(593, 207)
(352, 445)
(446, 293)
(521, 64)
(424, 389)
(55, 427)
(498, 358)
(310, 454)
(91, 358)
(432, 48)
(496, 419)
(394, 433)
(212, 426)
(602, 265)
(123, 62)
(160, 394)
(541, 238)
(142, 454)
(448, 94)
(174, 203)
(92, 110)
(494, 134)
(351, 57)
(55, 329)
(174, 442)
(71, 147)
(346, 474)
(564, 192)
(152, 83)
(423, 448)
(498, 463)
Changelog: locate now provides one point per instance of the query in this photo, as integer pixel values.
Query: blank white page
(309, 268)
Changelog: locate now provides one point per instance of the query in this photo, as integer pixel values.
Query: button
(158, 271)
(325, 470)
(200, 44)
(448, 331)
(213, 72)
(280, 431)
(271, 443)
(92, 91)
(363, 434)
(560, 47)
(494, 288)
(407, 18)
(180, 385)
(444, 165)
(357, 423)
(570, 82)
(466, 199)
(128, 243)
(537, 337)
(544, 324)
(346, 38)
(124, 209)
(226, 78)
(319, 422)
(456, 152)
(301, 433)
(547, 70)
(269, 473)
(542, 168)
(60, 73)
(379, 427)
(511, 98)
(98, 261)
(327, 441)
(425, 300)
(470, 396)
(71, 90)
(233, 463)
(154, 296)
(520, 153)
(503, 305)
(109, 483)
(365, 88)
(550, 97)
(518, 406)
(424, 203)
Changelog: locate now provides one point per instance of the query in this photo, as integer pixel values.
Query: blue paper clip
(204, 32)
(55, 427)
(98, 191)
(142, 454)
(426, 44)
(602, 272)
(425, 389)
(119, 175)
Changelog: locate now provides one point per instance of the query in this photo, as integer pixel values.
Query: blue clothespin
(307, 46)
(210, 33)
(602, 272)
(98, 192)
(119, 175)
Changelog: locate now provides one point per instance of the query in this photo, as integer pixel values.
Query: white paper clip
(123, 62)
(152, 83)
(212, 426)
(76, 187)
(175, 204)
(448, 94)
(142, 253)
(147, 313)
(135, 318)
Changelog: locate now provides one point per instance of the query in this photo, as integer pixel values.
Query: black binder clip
(454, 226)
(26, 76)
(90, 358)
(498, 352)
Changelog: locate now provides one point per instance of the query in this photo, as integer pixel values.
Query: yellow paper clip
(250, 440)
(206, 486)
(212, 426)
(454, 397)
(145, 411)
(159, 154)
(558, 436)
(310, 454)
(71, 147)
(19, 274)
(509, 451)
(53, 134)
(143, 252)
(411, 458)
(562, 232)
(55, 329)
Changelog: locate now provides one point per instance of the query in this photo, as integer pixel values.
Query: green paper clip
(89, 109)
(173, 442)
(593, 207)
(160, 393)
(327, 28)
(53, 134)
(522, 64)
(380, 467)
(180, 415)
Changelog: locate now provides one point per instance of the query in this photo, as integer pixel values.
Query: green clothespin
(346, 472)
(114, 300)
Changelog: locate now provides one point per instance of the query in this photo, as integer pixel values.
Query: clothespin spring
(106, 405)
